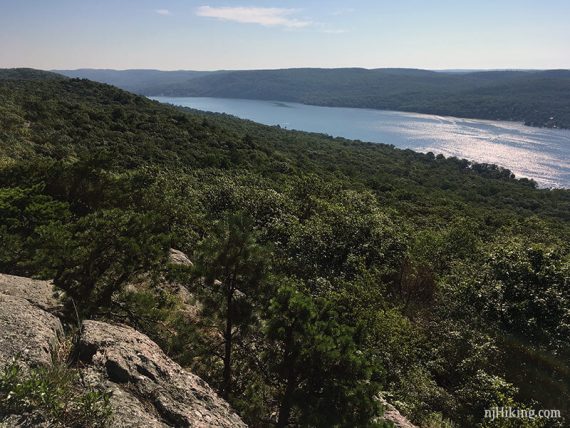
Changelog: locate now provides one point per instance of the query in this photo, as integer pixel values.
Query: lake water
(541, 154)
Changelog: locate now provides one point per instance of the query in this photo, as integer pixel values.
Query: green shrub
(53, 395)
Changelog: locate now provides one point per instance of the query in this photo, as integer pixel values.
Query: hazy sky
(211, 34)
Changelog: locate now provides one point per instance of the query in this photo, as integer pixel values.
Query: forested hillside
(537, 98)
(325, 271)
(137, 80)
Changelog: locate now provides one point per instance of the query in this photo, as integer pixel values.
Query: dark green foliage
(522, 290)
(231, 265)
(443, 282)
(528, 284)
(336, 232)
(53, 396)
(108, 249)
(30, 224)
(322, 377)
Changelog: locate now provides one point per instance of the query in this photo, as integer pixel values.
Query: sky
(261, 34)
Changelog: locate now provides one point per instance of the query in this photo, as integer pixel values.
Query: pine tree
(324, 380)
(231, 266)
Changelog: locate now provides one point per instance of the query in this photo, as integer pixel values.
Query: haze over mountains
(535, 97)
(134, 80)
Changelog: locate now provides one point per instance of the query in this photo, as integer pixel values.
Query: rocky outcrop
(128, 411)
(147, 388)
(391, 414)
(178, 258)
(29, 332)
(191, 308)
(138, 367)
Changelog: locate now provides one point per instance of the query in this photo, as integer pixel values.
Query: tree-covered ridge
(341, 268)
(138, 132)
(537, 98)
(134, 80)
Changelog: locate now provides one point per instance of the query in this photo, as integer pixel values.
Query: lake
(540, 154)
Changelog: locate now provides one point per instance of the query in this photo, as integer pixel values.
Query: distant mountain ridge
(136, 80)
(537, 98)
